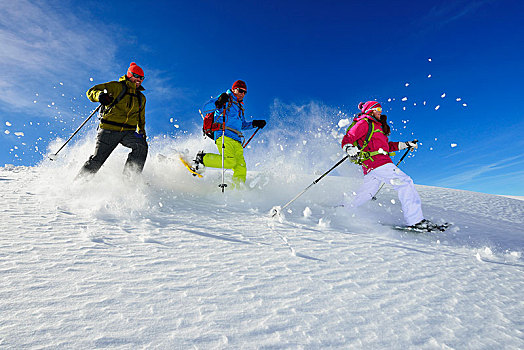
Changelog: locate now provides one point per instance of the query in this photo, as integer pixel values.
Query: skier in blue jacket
(230, 110)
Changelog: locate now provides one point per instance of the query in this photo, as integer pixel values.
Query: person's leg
(106, 141)
(213, 160)
(138, 155)
(407, 194)
(240, 168)
(366, 191)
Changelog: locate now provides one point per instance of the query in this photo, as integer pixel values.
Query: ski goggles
(138, 76)
(242, 91)
(378, 109)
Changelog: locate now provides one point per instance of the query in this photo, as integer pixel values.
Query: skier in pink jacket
(367, 143)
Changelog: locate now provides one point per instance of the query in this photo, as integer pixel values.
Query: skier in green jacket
(122, 121)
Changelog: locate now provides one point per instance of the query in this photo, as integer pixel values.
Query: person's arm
(358, 131)
(222, 100)
(94, 93)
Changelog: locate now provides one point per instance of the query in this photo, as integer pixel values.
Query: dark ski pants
(106, 142)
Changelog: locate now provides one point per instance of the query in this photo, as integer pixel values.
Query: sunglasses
(138, 76)
(242, 91)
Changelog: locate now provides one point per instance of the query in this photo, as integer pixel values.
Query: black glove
(222, 100)
(259, 123)
(105, 98)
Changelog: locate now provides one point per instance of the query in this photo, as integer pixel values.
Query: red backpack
(209, 127)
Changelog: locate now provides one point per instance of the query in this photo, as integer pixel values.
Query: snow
(167, 261)
(343, 122)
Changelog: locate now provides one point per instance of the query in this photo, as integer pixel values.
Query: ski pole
(400, 161)
(245, 144)
(276, 210)
(223, 184)
(52, 156)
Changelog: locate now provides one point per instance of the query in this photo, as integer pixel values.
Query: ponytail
(385, 126)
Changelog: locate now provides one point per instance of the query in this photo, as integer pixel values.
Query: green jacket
(126, 114)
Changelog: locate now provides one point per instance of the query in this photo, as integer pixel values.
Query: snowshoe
(189, 167)
(427, 226)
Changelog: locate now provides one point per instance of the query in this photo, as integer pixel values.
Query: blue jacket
(234, 118)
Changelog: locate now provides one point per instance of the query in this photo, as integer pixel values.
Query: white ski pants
(401, 182)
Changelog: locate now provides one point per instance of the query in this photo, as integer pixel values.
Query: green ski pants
(233, 158)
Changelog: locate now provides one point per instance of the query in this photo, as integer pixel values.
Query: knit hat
(368, 106)
(239, 84)
(133, 68)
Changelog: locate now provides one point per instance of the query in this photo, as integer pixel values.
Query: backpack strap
(366, 155)
(120, 95)
(140, 106)
(371, 131)
(117, 99)
(240, 108)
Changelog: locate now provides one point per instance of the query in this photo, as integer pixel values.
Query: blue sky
(448, 73)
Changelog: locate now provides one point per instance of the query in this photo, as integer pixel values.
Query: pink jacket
(378, 140)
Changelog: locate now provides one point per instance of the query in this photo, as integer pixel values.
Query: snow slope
(167, 261)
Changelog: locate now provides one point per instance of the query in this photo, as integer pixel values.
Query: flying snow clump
(343, 122)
